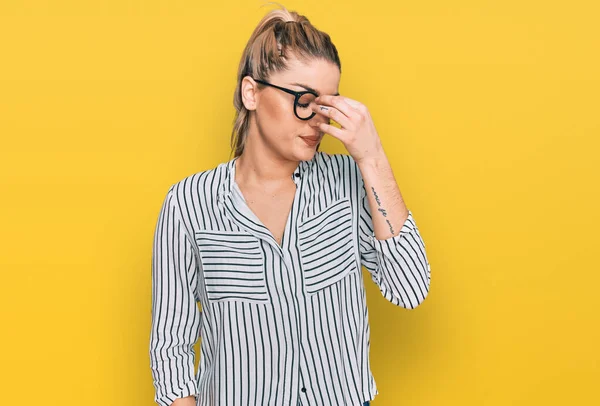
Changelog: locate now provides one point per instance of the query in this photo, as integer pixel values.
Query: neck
(261, 166)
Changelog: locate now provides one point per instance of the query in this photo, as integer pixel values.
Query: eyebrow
(310, 88)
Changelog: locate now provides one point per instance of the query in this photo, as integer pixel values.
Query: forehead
(317, 74)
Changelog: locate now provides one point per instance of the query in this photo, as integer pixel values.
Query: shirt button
(297, 175)
(303, 390)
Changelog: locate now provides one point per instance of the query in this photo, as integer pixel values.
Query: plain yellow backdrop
(488, 111)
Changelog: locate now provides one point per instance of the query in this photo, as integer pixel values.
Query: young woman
(271, 243)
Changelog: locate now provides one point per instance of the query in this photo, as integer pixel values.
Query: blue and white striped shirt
(279, 324)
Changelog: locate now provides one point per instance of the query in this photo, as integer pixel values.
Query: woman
(271, 243)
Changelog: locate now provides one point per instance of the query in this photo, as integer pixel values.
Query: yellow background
(488, 111)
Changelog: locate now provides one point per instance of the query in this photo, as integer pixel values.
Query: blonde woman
(270, 244)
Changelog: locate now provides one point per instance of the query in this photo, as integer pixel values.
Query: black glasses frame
(297, 96)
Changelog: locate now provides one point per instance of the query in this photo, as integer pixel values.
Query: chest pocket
(233, 266)
(327, 246)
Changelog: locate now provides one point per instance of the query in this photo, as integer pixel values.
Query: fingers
(334, 114)
(344, 104)
(332, 130)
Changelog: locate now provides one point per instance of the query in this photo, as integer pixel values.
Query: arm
(175, 314)
(391, 247)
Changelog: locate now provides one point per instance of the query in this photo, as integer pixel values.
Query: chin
(304, 148)
(307, 153)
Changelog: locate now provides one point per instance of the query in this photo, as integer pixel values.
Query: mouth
(311, 138)
(311, 141)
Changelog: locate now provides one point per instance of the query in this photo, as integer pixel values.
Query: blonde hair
(280, 31)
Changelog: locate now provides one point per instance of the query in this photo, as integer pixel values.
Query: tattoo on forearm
(391, 228)
(376, 197)
(382, 210)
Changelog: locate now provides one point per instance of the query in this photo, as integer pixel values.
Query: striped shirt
(279, 324)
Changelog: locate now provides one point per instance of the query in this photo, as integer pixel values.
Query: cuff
(189, 389)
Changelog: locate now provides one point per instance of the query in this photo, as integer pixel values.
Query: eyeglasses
(302, 100)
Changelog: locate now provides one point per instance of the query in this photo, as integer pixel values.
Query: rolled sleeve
(167, 399)
(398, 264)
(175, 324)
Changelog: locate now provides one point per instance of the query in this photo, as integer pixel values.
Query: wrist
(372, 161)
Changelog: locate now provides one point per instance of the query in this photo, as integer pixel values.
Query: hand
(358, 133)
(187, 401)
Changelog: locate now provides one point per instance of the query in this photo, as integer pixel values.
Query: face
(274, 123)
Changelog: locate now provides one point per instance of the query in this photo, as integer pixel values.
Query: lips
(313, 138)
(311, 142)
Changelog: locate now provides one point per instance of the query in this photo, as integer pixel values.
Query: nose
(318, 118)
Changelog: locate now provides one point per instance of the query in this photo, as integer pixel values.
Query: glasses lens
(303, 105)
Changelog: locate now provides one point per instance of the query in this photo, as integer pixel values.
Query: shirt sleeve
(398, 264)
(175, 324)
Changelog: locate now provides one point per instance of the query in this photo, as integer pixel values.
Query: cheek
(278, 116)
(282, 110)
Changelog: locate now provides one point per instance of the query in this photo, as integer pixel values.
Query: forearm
(187, 401)
(388, 209)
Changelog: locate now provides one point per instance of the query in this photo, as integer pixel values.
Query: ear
(249, 93)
